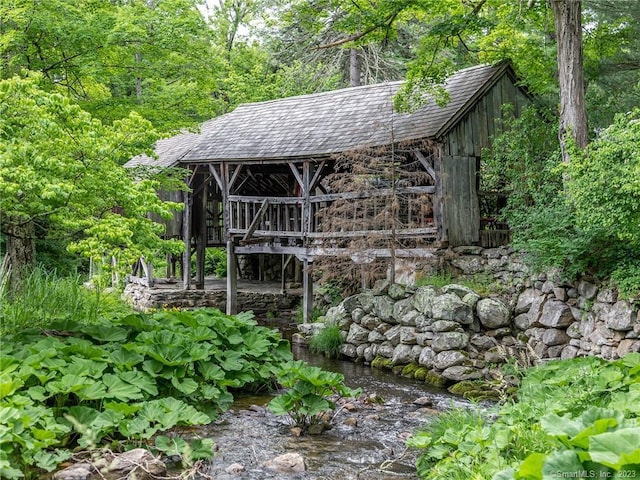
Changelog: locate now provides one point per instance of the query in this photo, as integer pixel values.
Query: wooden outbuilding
(260, 176)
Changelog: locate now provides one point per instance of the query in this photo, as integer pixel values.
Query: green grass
(327, 341)
(46, 297)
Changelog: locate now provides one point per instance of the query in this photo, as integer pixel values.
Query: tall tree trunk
(573, 114)
(21, 251)
(354, 68)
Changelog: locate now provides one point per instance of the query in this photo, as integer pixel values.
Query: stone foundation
(260, 302)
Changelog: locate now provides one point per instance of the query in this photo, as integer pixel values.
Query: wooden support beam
(439, 215)
(256, 220)
(307, 291)
(217, 176)
(186, 235)
(306, 192)
(232, 280)
(296, 174)
(201, 240)
(425, 163)
(234, 177)
(382, 192)
(316, 176)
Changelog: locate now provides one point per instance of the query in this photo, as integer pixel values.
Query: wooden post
(232, 280)
(307, 291)
(186, 233)
(439, 215)
(201, 241)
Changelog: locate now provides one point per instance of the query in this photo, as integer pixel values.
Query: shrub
(215, 262)
(327, 341)
(311, 393)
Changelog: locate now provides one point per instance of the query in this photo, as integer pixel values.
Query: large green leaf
(121, 390)
(106, 333)
(68, 384)
(616, 449)
(125, 359)
(141, 380)
(9, 385)
(561, 463)
(210, 371)
(93, 391)
(84, 367)
(255, 344)
(186, 385)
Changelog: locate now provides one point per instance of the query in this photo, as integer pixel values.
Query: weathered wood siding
(484, 120)
(461, 200)
(173, 227)
(462, 148)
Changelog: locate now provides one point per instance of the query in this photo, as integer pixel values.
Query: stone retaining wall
(261, 303)
(453, 334)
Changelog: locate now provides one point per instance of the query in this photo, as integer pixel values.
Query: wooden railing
(358, 214)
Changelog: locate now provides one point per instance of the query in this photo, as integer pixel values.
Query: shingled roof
(321, 124)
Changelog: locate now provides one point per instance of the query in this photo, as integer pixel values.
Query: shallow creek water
(373, 449)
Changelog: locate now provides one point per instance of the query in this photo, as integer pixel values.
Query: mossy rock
(461, 388)
(382, 363)
(420, 373)
(410, 370)
(479, 396)
(397, 370)
(435, 380)
(475, 390)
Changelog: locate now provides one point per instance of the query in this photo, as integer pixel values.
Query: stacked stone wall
(451, 334)
(261, 303)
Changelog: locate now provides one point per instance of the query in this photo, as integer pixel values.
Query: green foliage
(215, 262)
(311, 393)
(580, 217)
(600, 441)
(61, 165)
(327, 341)
(47, 297)
(559, 406)
(128, 378)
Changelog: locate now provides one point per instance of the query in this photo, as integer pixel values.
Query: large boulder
(427, 357)
(460, 290)
(357, 334)
(338, 316)
(451, 307)
(492, 313)
(449, 341)
(402, 355)
(410, 318)
(556, 314)
(554, 336)
(422, 300)
(450, 358)
(401, 308)
(620, 316)
(397, 291)
(460, 373)
(383, 308)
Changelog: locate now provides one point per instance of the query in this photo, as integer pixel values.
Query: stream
(366, 442)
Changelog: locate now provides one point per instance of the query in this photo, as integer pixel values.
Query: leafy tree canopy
(60, 166)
